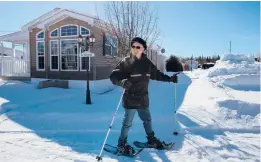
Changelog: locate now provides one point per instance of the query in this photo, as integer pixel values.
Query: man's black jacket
(138, 72)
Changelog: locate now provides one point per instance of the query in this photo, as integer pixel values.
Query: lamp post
(89, 42)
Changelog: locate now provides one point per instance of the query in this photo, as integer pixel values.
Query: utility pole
(191, 62)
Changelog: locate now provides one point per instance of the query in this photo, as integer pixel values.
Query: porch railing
(14, 67)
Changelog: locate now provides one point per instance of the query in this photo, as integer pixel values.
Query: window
(40, 35)
(69, 58)
(54, 53)
(69, 30)
(111, 45)
(40, 52)
(84, 46)
(54, 33)
(84, 31)
(108, 49)
(84, 62)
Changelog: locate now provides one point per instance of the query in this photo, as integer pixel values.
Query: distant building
(190, 64)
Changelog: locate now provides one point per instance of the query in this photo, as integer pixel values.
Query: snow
(235, 64)
(216, 122)
(97, 87)
(234, 58)
(239, 72)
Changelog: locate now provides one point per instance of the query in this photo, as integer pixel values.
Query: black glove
(174, 79)
(126, 84)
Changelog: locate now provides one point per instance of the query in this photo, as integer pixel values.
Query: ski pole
(99, 157)
(175, 106)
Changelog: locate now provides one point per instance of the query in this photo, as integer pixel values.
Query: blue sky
(198, 28)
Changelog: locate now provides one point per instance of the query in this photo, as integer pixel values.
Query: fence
(14, 67)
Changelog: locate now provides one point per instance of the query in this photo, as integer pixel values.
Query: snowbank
(243, 82)
(238, 72)
(235, 64)
(237, 58)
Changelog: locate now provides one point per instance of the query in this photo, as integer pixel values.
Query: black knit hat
(139, 40)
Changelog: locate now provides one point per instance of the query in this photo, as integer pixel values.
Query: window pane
(69, 47)
(54, 33)
(111, 45)
(40, 48)
(114, 42)
(84, 31)
(84, 47)
(69, 54)
(69, 31)
(85, 62)
(114, 51)
(54, 62)
(40, 62)
(69, 62)
(108, 39)
(107, 50)
(40, 35)
(54, 47)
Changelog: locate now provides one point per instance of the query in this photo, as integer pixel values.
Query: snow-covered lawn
(218, 120)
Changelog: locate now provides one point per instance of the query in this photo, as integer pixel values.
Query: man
(133, 74)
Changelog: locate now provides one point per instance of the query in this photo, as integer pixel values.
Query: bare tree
(128, 19)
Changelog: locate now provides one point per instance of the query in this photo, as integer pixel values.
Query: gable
(44, 23)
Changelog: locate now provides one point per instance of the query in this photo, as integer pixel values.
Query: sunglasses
(137, 47)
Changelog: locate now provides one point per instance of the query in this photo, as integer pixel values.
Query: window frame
(50, 54)
(37, 56)
(57, 33)
(106, 44)
(69, 35)
(84, 34)
(40, 33)
(62, 55)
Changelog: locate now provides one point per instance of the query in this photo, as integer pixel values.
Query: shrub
(173, 64)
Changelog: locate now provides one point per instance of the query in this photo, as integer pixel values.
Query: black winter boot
(125, 148)
(154, 142)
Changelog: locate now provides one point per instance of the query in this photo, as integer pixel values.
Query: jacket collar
(135, 58)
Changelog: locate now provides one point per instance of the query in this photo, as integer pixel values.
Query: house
(190, 64)
(51, 48)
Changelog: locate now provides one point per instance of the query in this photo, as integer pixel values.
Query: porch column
(27, 56)
(23, 51)
(13, 48)
(2, 58)
(27, 52)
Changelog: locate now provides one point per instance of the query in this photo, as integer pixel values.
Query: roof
(56, 15)
(45, 21)
(17, 37)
